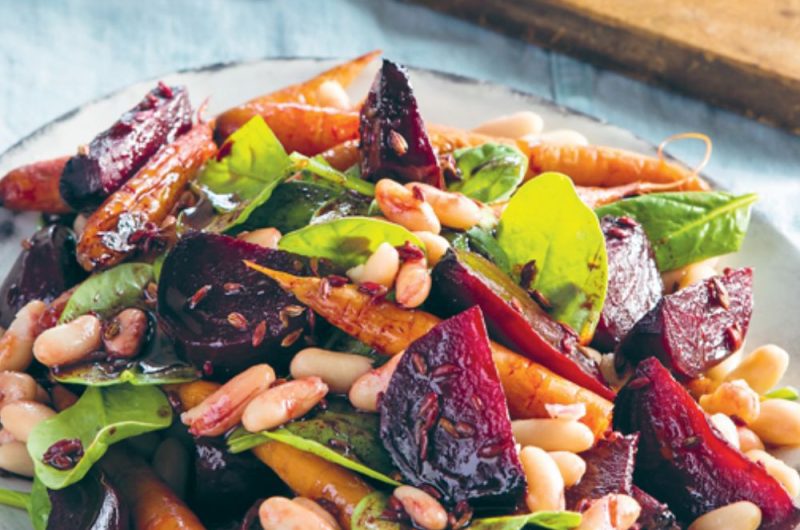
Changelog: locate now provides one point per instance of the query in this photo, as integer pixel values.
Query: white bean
(676, 279)
(612, 512)
(6, 437)
(279, 513)
(280, 404)
(696, 273)
(553, 435)
(557, 137)
(20, 417)
(720, 371)
(733, 398)
(423, 509)
(413, 283)
(69, 343)
(748, 439)
(315, 507)
(332, 94)
(454, 210)
(338, 370)
(435, 246)
(14, 458)
(171, 464)
(545, 483)
(743, 515)
(778, 423)
(366, 389)
(15, 386)
(125, 333)
(514, 125)
(16, 345)
(263, 237)
(381, 267)
(787, 476)
(571, 466)
(401, 206)
(727, 428)
(763, 368)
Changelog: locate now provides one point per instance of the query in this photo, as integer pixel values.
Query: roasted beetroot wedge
(634, 283)
(655, 515)
(394, 142)
(463, 279)
(223, 315)
(116, 154)
(444, 419)
(609, 469)
(686, 462)
(45, 269)
(697, 327)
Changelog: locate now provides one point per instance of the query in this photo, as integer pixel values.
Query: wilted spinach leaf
(292, 205)
(489, 172)
(109, 291)
(322, 169)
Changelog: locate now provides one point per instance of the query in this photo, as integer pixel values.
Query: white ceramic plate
(444, 99)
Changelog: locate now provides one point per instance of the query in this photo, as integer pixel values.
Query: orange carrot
(594, 197)
(35, 187)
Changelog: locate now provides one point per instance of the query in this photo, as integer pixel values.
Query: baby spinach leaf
(292, 205)
(348, 204)
(101, 417)
(318, 166)
(787, 392)
(14, 498)
(550, 232)
(369, 514)
(40, 506)
(109, 291)
(686, 227)
(484, 243)
(348, 241)
(489, 172)
(243, 179)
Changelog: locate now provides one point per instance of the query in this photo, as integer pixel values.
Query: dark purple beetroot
(394, 142)
(655, 515)
(684, 461)
(609, 469)
(222, 315)
(116, 154)
(45, 268)
(463, 279)
(696, 328)
(225, 485)
(444, 419)
(634, 283)
(91, 504)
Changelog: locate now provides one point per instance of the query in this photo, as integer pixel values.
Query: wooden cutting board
(740, 54)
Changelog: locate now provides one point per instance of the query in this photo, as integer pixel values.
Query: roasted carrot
(299, 127)
(152, 504)
(311, 476)
(147, 198)
(35, 187)
(193, 393)
(596, 196)
(389, 328)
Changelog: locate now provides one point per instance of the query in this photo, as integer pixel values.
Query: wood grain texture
(740, 54)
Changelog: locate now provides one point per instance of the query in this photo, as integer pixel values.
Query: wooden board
(740, 54)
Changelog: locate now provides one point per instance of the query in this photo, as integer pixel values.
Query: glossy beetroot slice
(609, 469)
(444, 419)
(394, 142)
(223, 315)
(91, 504)
(463, 279)
(634, 283)
(116, 154)
(654, 515)
(45, 268)
(686, 462)
(697, 327)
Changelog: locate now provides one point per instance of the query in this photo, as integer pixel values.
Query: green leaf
(15, 499)
(292, 205)
(359, 447)
(368, 514)
(489, 172)
(39, 507)
(318, 166)
(100, 418)
(348, 204)
(789, 393)
(484, 243)
(546, 222)
(686, 227)
(109, 291)
(158, 263)
(244, 179)
(348, 241)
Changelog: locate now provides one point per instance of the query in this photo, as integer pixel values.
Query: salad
(308, 313)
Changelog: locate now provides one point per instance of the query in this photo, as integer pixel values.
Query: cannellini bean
(743, 515)
(557, 137)
(264, 237)
(553, 435)
(338, 370)
(401, 206)
(413, 283)
(545, 483)
(748, 439)
(6, 437)
(381, 267)
(124, 335)
(787, 476)
(315, 507)
(171, 464)
(15, 386)
(763, 368)
(612, 512)
(79, 224)
(435, 246)
(224, 408)
(718, 373)
(14, 458)
(733, 398)
(677, 278)
(454, 210)
(779, 422)
(282, 403)
(514, 125)
(727, 428)
(422, 508)
(571, 466)
(366, 389)
(573, 411)
(20, 417)
(332, 94)
(16, 345)
(69, 343)
(279, 513)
